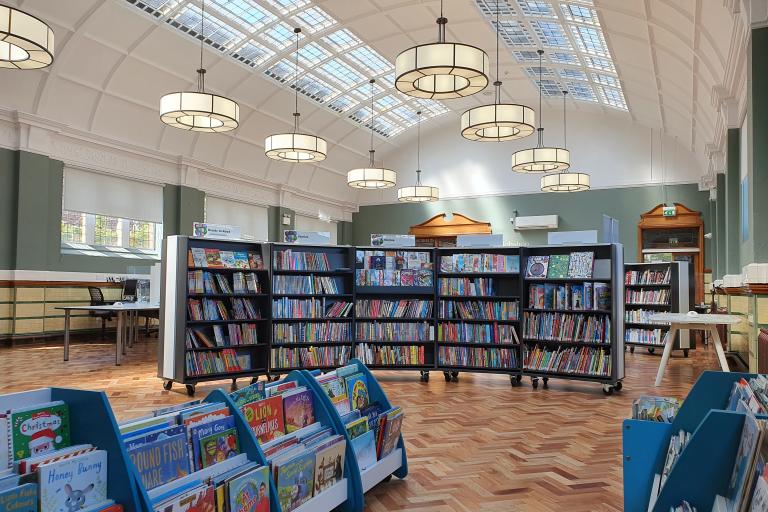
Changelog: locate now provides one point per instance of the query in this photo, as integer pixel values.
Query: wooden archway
(441, 232)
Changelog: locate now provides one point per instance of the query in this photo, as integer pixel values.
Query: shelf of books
(573, 313)
(60, 450)
(394, 308)
(651, 288)
(215, 311)
(312, 298)
(478, 311)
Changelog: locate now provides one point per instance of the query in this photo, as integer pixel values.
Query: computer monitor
(129, 290)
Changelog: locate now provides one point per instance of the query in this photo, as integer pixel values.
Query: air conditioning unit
(536, 222)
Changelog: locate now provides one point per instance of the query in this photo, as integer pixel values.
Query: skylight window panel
(513, 33)
(550, 87)
(342, 40)
(220, 36)
(581, 91)
(405, 114)
(384, 126)
(526, 56)
(312, 54)
(489, 7)
(361, 115)
(315, 19)
(341, 73)
(533, 72)
(612, 97)
(283, 70)
(388, 80)
(369, 59)
(156, 8)
(253, 53)
(316, 88)
(573, 74)
(342, 104)
(387, 102)
(539, 8)
(363, 93)
(288, 6)
(580, 13)
(431, 108)
(551, 34)
(606, 80)
(280, 35)
(563, 58)
(590, 40)
(600, 63)
(245, 12)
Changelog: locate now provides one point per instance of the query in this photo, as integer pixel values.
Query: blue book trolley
(92, 422)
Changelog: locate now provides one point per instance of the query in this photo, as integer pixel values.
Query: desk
(707, 323)
(127, 315)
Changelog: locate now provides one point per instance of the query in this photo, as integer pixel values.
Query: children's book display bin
(703, 469)
(91, 422)
(396, 463)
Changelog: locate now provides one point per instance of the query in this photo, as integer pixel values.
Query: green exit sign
(670, 211)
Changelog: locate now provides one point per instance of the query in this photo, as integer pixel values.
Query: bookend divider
(91, 421)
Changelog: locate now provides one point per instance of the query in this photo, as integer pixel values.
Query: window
(102, 235)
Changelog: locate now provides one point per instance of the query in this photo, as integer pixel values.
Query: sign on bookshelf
(379, 240)
(291, 236)
(205, 230)
(479, 240)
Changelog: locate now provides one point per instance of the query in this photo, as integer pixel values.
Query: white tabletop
(125, 306)
(685, 318)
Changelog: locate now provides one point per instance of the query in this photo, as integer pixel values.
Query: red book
(265, 418)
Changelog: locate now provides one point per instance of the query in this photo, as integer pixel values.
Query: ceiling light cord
(418, 149)
(497, 83)
(541, 115)
(296, 114)
(565, 125)
(201, 69)
(373, 120)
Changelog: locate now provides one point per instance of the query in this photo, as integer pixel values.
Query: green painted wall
(756, 248)
(579, 211)
(721, 226)
(9, 185)
(276, 226)
(732, 244)
(344, 233)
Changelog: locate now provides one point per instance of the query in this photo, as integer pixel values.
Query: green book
(39, 429)
(558, 266)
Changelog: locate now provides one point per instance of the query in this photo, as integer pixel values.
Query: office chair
(97, 299)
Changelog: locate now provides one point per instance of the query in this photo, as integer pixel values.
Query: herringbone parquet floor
(475, 445)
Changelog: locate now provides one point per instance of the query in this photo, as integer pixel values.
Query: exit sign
(670, 211)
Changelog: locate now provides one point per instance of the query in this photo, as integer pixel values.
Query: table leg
(667, 350)
(119, 340)
(719, 348)
(131, 328)
(66, 334)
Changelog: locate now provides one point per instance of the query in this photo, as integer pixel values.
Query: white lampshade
(368, 177)
(565, 182)
(498, 122)
(199, 112)
(295, 147)
(441, 71)
(418, 194)
(26, 42)
(536, 160)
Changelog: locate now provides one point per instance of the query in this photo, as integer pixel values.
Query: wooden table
(707, 323)
(127, 323)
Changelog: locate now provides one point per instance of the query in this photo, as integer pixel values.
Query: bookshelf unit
(570, 314)
(211, 329)
(309, 282)
(478, 311)
(395, 298)
(655, 288)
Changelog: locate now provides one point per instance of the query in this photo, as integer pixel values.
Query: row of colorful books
(655, 408)
(482, 262)
(235, 335)
(212, 363)
(215, 309)
(393, 331)
(310, 357)
(641, 316)
(302, 285)
(479, 310)
(585, 296)
(501, 358)
(648, 276)
(393, 260)
(572, 360)
(369, 277)
(390, 355)
(654, 337)
(404, 308)
(477, 333)
(567, 327)
(42, 471)
(647, 296)
(311, 332)
(299, 260)
(576, 265)
(215, 258)
(310, 308)
(200, 281)
(475, 287)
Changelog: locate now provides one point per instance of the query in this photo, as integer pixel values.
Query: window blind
(253, 220)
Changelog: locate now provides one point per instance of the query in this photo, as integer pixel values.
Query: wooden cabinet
(441, 230)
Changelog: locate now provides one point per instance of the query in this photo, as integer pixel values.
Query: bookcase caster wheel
(233, 386)
(447, 376)
(535, 382)
(546, 382)
(618, 386)
(424, 376)
(167, 385)
(631, 350)
(651, 350)
(455, 376)
(515, 380)
(190, 389)
(607, 389)
(685, 352)
(387, 479)
(254, 380)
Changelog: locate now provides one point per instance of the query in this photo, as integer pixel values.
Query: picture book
(265, 418)
(213, 258)
(241, 259)
(537, 267)
(198, 257)
(19, 499)
(295, 480)
(299, 410)
(280, 388)
(227, 259)
(589, 302)
(248, 394)
(357, 389)
(561, 298)
(371, 413)
(218, 447)
(446, 263)
(358, 427)
(759, 499)
(336, 391)
(577, 296)
(751, 436)
(602, 296)
(161, 461)
(378, 262)
(254, 261)
(550, 292)
(365, 450)
(39, 429)
(73, 484)
(198, 499)
(161, 433)
(407, 277)
(391, 278)
(391, 433)
(581, 265)
(249, 492)
(359, 258)
(329, 465)
(423, 278)
(558, 266)
(197, 434)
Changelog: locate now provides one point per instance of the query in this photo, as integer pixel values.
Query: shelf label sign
(291, 236)
(380, 240)
(205, 230)
(479, 240)
(669, 211)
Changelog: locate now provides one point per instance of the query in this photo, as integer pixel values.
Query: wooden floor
(474, 445)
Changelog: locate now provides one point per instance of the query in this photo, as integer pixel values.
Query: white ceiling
(113, 62)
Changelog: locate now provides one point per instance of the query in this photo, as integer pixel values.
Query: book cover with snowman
(71, 485)
(39, 429)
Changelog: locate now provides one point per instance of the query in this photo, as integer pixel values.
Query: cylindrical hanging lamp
(26, 42)
(418, 193)
(565, 181)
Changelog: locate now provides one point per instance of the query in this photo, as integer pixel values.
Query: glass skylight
(576, 55)
(334, 63)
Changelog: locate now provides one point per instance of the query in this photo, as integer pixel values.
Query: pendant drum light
(200, 111)
(26, 42)
(372, 177)
(500, 121)
(541, 158)
(296, 147)
(418, 193)
(565, 181)
(441, 70)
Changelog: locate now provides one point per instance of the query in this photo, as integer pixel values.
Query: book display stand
(652, 288)
(91, 422)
